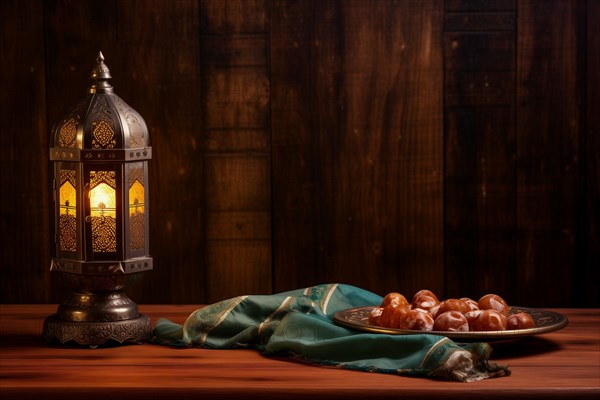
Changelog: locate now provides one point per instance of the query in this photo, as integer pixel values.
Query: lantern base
(95, 334)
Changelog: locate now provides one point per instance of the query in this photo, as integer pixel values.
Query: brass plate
(545, 321)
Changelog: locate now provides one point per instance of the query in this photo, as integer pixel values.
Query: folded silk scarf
(299, 324)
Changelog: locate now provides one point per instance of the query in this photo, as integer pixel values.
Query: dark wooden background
(396, 145)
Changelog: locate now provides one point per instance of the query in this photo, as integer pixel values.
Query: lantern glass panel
(136, 216)
(136, 199)
(67, 211)
(103, 211)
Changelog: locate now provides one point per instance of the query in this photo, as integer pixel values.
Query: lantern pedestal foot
(95, 334)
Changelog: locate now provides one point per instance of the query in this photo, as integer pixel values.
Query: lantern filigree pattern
(100, 152)
(103, 128)
(103, 135)
(136, 131)
(68, 133)
(67, 136)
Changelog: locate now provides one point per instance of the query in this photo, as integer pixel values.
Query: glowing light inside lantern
(136, 198)
(68, 199)
(103, 201)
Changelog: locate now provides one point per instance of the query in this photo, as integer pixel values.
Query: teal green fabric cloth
(299, 324)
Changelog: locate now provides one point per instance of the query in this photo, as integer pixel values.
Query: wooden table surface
(563, 364)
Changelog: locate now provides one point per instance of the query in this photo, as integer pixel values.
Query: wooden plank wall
(480, 146)
(357, 144)
(548, 149)
(25, 248)
(394, 145)
(236, 163)
(590, 212)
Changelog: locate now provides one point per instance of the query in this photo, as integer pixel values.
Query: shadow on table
(523, 347)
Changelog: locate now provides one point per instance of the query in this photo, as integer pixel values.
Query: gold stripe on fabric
(432, 350)
(281, 307)
(221, 318)
(327, 297)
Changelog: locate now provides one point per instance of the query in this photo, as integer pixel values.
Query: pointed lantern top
(101, 121)
(100, 75)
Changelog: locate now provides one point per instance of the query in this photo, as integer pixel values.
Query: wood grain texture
(236, 163)
(479, 21)
(163, 82)
(236, 97)
(591, 142)
(356, 131)
(480, 202)
(479, 88)
(25, 203)
(558, 365)
(73, 35)
(234, 16)
(479, 51)
(448, 144)
(480, 140)
(548, 154)
(298, 188)
(480, 5)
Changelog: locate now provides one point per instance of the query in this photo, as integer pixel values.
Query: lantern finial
(100, 75)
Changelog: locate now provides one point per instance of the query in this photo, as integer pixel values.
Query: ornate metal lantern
(100, 152)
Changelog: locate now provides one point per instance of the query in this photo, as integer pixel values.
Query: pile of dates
(426, 313)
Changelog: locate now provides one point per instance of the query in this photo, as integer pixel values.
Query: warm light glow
(136, 198)
(68, 199)
(102, 201)
(67, 221)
